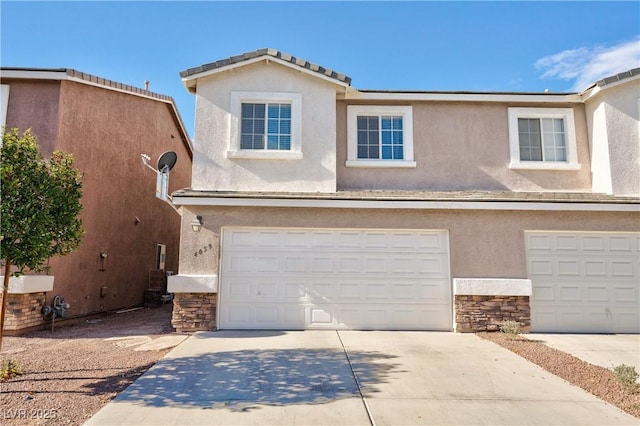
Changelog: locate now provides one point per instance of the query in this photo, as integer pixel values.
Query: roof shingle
(266, 52)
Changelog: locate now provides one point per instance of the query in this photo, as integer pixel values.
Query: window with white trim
(379, 136)
(265, 125)
(542, 138)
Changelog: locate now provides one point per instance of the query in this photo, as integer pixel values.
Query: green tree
(39, 207)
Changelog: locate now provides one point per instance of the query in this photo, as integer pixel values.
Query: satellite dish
(167, 161)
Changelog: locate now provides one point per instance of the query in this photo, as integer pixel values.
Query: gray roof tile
(266, 52)
(618, 77)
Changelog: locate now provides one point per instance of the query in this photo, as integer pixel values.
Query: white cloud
(586, 65)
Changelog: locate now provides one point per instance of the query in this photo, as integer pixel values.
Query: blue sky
(433, 46)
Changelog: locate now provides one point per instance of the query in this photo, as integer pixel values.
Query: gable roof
(618, 77)
(261, 55)
(84, 78)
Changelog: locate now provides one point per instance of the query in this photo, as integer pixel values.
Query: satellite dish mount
(165, 163)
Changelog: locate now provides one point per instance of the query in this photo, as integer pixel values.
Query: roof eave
(462, 96)
(190, 81)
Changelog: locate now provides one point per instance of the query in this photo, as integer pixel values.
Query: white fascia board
(34, 74)
(461, 97)
(266, 58)
(405, 205)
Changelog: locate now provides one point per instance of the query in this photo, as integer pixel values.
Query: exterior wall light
(196, 224)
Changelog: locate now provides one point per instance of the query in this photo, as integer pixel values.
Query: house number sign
(203, 250)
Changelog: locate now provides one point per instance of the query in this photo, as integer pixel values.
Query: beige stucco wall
(613, 121)
(461, 146)
(483, 244)
(211, 167)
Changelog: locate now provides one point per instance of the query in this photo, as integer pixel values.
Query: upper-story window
(542, 138)
(265, 125)
(379, 136)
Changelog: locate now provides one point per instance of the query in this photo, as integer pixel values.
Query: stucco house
(317, 205)
(129, 232)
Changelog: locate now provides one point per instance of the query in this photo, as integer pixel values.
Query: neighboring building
(128, 232)
(323, 206)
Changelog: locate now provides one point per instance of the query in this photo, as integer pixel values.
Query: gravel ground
(596, 380)
(68, 375)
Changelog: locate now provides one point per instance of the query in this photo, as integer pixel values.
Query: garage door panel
(626, 293)
(308, 278)
(584, 282)
(627, 321)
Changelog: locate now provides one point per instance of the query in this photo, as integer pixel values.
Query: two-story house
(129, 233)
(317, 205)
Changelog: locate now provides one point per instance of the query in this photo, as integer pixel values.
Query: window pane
(374, 152)
(550, 154)
(398, 152)
(363, 151)
(246, 142)
(380, 137)
(374, 137)
(372, 123)
(285, 127)
(363, 137)
(553, 139)
(274, 111)
(247, 126)
(285, 111)
(278, 127)
(285, 142)
(530, 141)
(386, 137)
(258, 126)
(272, 127)
(252, 126)
(247, 110)
(387, 152)
(272, 142)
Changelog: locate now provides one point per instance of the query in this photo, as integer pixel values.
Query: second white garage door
(584, 282)
(334, 279)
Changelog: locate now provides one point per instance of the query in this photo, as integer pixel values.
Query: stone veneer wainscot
(485, 304)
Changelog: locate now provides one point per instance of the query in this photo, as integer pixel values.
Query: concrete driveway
(350, 378)
(605, 350)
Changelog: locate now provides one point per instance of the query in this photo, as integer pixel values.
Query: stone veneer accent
(23, 312)
(194, 312)
(487, 313)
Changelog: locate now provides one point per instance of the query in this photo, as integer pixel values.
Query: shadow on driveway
(236, 380)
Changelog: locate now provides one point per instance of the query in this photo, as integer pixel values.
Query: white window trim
(238, 98)
(353, 111)
(570, 139)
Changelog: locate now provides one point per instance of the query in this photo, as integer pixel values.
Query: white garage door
(584, 282)
(335, 279)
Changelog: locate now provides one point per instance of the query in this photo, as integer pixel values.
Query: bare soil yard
(68, 375)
